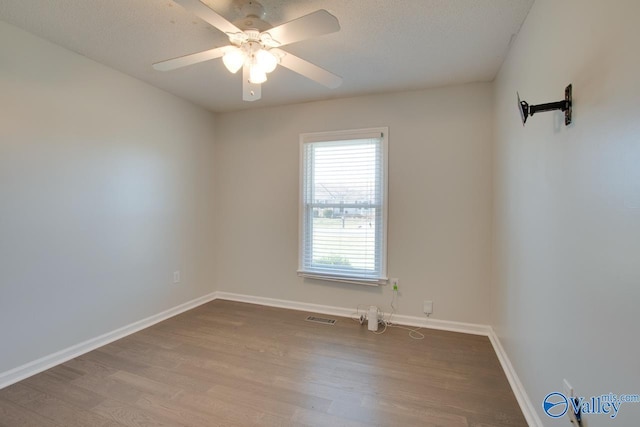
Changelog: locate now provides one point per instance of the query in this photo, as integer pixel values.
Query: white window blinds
(343, 205)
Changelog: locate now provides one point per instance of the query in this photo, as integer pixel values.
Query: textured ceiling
(383, 45)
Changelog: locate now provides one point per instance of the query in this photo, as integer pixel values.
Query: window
(343, 205)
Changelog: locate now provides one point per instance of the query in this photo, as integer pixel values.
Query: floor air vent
(322, 320)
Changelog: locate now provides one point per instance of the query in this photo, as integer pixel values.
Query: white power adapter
(373, 318)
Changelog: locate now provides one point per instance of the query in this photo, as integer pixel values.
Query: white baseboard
(443, 325)
(281, 303)
(423, 322)
(528, 410)
(21, 372)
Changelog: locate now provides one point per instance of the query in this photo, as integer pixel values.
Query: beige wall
(105, 190)
(568, 204)
(439, 199)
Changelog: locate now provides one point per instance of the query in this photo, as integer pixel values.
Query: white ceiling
(383, 45)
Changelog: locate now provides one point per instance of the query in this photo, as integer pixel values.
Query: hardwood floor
(234, 364)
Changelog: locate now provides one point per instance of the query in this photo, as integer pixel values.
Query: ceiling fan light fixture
(266, 60)
(257, 74)
(233, 59)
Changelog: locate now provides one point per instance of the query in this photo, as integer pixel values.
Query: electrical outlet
(176, 276)
(394, 283)
(428, 307)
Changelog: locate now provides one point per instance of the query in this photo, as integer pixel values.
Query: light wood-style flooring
(233, 364)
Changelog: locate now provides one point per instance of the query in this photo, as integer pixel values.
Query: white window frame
(346, 135)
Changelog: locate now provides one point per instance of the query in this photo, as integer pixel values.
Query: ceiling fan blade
(308, 69)
(207, 14)
(194, 58)
(250, 91)
(314, 24)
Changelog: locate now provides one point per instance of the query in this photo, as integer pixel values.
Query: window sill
(343, 279)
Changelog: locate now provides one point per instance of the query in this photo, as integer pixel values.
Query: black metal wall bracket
(527, 110)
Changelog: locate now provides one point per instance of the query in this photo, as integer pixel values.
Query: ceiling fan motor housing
(254, 16)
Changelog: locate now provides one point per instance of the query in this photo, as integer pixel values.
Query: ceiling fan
(255, 45)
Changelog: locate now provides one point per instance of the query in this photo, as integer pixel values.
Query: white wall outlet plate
(567, 389)
(428, 307)
(569, 393)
